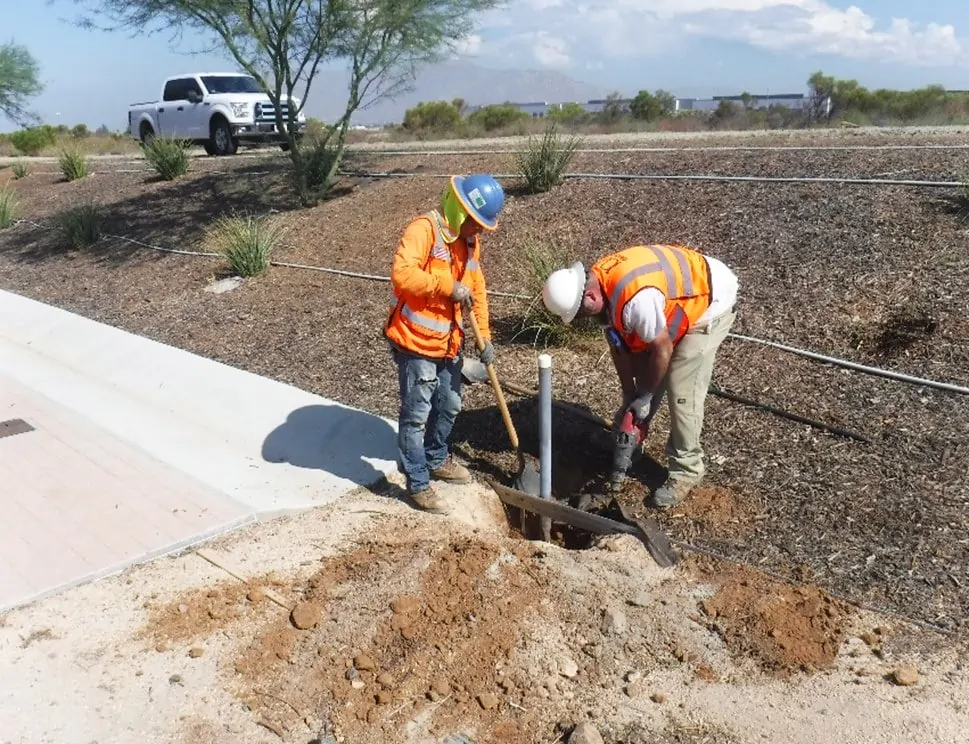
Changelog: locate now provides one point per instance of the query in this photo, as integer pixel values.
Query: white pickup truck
(218, 110)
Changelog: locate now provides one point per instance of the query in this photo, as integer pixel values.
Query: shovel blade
(472, 370)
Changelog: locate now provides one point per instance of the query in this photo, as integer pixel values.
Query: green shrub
(538, 323)
(497, 116)
(319, 159)
(81, 131)
(544, 159)
(73, 163)
(168, 157)
(32, 141)
(81, 226)
(8, 208)
(20, 170)
(432, 116)
(246, 242)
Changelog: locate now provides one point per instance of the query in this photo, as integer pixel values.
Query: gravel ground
(875, 274)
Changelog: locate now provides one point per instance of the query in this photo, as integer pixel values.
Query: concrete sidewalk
(139, 448)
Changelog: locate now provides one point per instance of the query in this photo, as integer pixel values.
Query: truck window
(175, 90)
(231, 84)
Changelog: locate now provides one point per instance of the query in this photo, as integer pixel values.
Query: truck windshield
(230, 84)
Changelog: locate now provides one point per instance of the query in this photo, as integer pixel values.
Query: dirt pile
(782, 627)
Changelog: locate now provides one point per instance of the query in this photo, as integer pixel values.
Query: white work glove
(462, 293)
(640, 407)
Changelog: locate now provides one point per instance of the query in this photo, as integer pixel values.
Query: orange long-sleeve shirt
(409, 277)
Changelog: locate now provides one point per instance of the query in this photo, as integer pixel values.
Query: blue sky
(690, 47)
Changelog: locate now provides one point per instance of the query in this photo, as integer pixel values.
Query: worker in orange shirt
(665, 310)
(436, 276)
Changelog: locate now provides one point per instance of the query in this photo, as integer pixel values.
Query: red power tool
(627, 436)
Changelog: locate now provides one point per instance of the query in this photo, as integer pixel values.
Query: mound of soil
(784, 628)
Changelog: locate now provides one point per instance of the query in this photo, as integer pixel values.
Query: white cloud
(550, 51)
(648, 28)
(814, 26)
(471, 45)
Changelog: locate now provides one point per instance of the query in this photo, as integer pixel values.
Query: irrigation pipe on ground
(877, 371)
(711, 148)
(690, 177)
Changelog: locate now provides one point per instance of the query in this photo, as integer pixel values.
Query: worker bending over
(436, 276)
(666, 309)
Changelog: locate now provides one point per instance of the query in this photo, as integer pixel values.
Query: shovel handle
(493, 376)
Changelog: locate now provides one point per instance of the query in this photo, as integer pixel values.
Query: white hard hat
(562, 293)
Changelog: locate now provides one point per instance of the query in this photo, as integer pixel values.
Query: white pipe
(545, 436)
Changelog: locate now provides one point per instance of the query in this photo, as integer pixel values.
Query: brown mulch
(876, 274)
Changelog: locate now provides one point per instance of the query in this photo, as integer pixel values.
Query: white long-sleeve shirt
(645, 313)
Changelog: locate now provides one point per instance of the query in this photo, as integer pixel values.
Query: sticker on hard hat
(476, 198)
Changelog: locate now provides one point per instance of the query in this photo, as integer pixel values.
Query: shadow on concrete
(333, 439)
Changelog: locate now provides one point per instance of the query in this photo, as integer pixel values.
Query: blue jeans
(430, 400)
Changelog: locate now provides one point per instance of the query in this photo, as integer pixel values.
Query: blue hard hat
(482, 196)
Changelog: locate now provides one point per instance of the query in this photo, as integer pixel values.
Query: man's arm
(407, 272)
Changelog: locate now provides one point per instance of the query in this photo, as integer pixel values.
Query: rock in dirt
(364, 663)
(905, 676)
(256, 595)
(306, 615)
(614, 621)
(568, 668)
(585, 733)
(488, 700)
(196, 651)
(640, 598)
(384, 697)
(386, 680)
(358, 684)
(658, 697)
(406, 604)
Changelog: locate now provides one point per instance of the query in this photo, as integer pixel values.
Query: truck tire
(220, 137)
(146, 133)
(209, 147)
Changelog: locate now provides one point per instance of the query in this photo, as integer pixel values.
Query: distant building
(540, 109)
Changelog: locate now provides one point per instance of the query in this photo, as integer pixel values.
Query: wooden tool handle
(493, 376)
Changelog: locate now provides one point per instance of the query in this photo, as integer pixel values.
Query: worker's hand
(462, 293)
(487, 354)
(640, 406)
(627, 398)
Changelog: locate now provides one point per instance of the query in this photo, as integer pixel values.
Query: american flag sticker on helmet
(476, 198)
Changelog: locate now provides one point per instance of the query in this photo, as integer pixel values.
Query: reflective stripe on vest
(439, 251)
(661, 263)
(681, 274)
(431, 324)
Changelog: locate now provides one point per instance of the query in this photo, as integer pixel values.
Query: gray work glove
(487, 354)
(462, 293)
(640, 407)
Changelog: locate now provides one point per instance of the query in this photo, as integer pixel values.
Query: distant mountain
(447, 81)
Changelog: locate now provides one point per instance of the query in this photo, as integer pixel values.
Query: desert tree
(19, 82)
(284, 44)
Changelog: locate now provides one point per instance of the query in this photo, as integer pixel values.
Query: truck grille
(266, 113)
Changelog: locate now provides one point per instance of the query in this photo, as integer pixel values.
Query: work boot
(452, 472)
(670, 493)
(428, 500)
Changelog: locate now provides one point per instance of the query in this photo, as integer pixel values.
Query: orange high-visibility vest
(430, 325)
(680, 273)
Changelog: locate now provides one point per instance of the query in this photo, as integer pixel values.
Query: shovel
(528, 478)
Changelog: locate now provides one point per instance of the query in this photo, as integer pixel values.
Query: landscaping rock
(585, 733)
(905, 676)
(306, 615)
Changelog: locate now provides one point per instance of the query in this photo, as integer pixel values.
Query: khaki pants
(685, 385)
